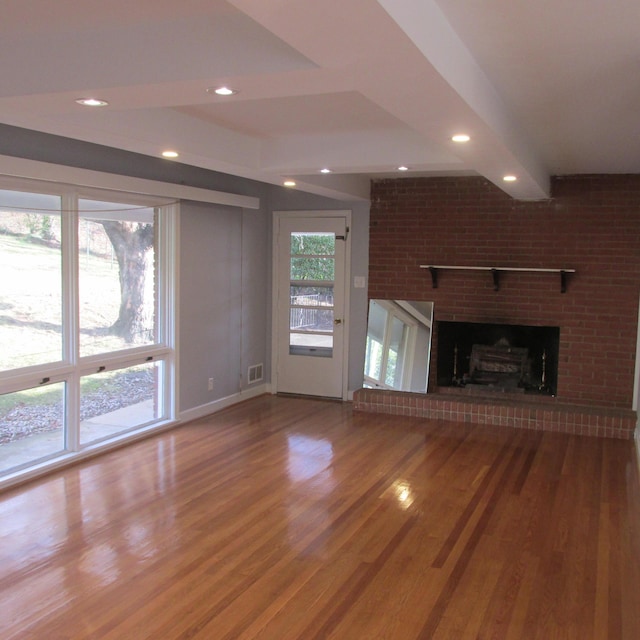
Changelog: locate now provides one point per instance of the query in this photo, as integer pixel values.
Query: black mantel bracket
(495, 273)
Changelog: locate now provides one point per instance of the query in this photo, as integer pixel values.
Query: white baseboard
(222, 403)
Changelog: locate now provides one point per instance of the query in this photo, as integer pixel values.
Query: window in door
(311, 294)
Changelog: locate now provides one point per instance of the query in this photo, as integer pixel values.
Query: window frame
(71, 368)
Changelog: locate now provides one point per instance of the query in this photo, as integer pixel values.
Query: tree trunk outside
(131, 242)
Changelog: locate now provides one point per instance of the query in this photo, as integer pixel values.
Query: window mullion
(167, 300)
(386, 341)
(71, 322)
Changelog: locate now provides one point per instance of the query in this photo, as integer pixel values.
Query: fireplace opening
(498, 357)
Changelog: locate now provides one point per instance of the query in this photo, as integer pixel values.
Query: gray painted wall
(225, 263)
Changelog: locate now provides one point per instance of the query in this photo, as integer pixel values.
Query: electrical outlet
(210, 384)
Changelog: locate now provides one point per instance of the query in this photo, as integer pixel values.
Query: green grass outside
(31, 314)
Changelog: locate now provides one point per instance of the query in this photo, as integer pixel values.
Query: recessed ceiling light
(325, 170)
(289, 183)
(170, 154)
(403, 168)
(461, 137)
(510, 178)
(222, 91)
(92, 102)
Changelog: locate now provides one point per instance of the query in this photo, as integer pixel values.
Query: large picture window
(86, 290)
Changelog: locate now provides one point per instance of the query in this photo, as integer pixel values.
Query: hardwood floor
(285, 518)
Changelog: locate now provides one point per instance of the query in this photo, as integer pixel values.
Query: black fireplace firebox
(498, 357)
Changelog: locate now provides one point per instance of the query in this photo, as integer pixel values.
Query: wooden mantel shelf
(495, 271)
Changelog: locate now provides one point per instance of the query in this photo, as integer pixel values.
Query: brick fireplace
(591, 224)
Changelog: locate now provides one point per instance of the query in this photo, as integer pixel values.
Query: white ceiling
(359, 86)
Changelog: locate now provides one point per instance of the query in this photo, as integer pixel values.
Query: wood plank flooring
(290, 518)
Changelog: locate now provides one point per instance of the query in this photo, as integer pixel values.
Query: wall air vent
(255, 373)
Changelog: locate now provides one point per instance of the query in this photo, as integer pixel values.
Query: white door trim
(319, 213)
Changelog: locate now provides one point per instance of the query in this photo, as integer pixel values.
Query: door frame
(302, 215)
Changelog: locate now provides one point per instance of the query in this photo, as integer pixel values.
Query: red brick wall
(591, 224)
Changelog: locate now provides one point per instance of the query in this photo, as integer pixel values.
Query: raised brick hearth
(517, 413)
(590, 224)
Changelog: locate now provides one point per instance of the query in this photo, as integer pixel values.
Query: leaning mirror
(398, 345)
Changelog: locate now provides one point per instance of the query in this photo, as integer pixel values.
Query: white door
(309, 304)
